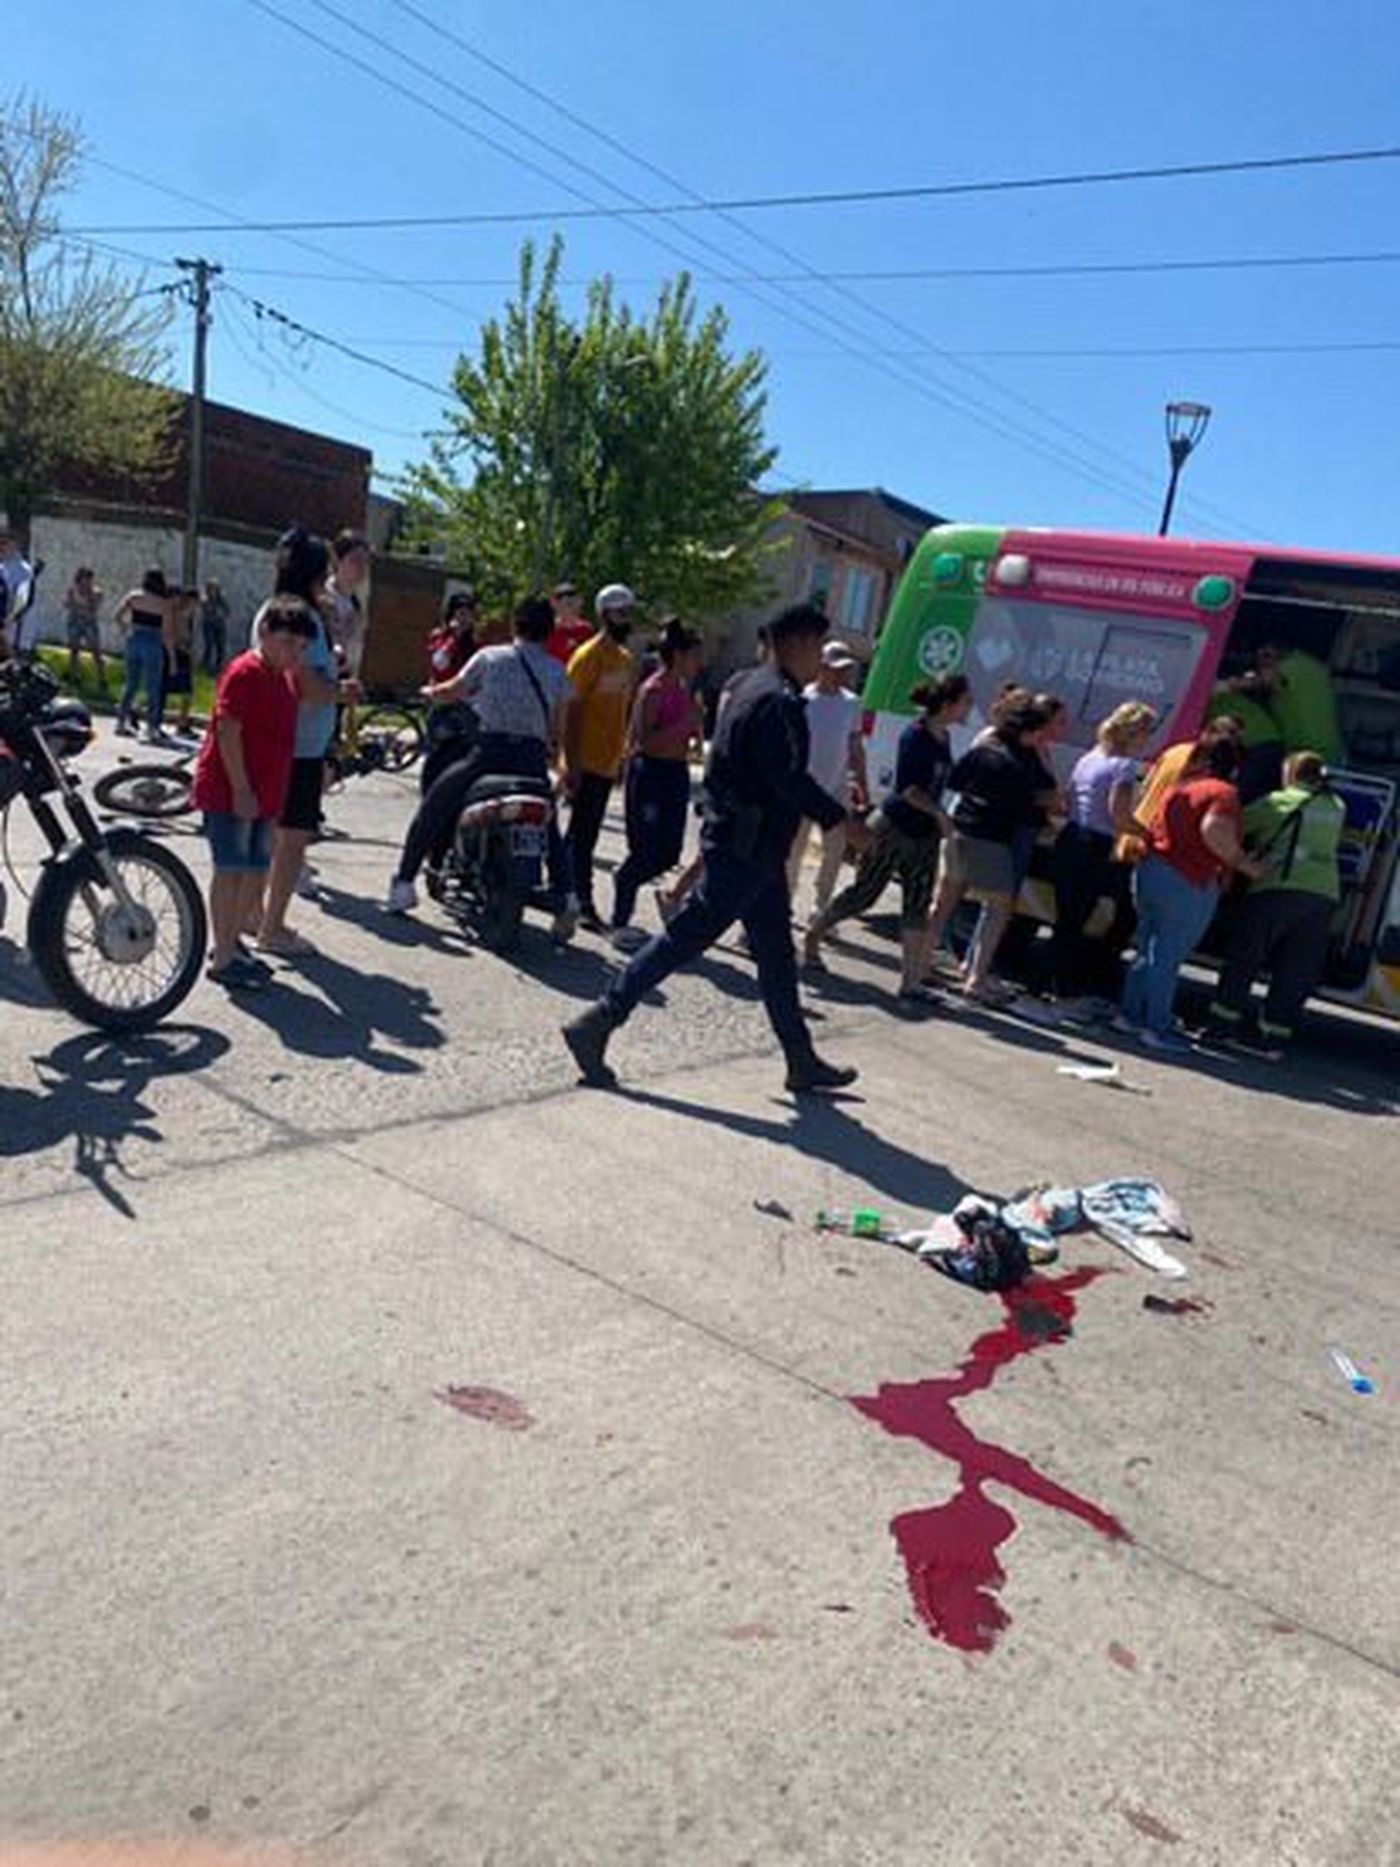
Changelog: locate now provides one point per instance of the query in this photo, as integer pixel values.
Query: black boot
(810, 1076)
(587, 1037)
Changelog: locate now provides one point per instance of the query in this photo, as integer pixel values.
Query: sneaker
(587, 1037)
(434, 884)
(590, 920)
(157, 736)
(628, 939)
(1166, 1043)
(402, 897)
(565, 924)
(1125, 1026)
(814, 1077)
(124, 729)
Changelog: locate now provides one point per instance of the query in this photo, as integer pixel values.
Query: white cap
(837, 655)
(613, 596)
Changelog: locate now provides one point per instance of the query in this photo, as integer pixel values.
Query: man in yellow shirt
(603, 675)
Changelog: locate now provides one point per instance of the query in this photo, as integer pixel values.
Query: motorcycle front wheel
(117, 967)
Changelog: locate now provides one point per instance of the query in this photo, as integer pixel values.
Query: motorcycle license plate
(526, 839)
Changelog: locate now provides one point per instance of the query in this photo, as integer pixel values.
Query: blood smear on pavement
(950, 1551)
(489, 1404)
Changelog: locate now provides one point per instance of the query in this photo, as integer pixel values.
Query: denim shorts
(238, 843)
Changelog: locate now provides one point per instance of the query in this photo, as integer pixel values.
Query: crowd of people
(1239, 828)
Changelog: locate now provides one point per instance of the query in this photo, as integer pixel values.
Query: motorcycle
(117, 927)
(498, 862)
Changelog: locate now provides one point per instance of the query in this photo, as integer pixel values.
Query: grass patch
(101, 700)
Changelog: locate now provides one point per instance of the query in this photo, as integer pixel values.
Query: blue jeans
(730, 889)
(145, 667)
(1173, 915)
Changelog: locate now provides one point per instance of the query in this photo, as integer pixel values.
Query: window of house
(819, 586)
(858, 588)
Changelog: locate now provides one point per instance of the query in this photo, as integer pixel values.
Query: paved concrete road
(637, 1599)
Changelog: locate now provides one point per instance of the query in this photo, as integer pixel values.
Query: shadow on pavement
(824, 1129)
(393, 929)
(356, 1010)
(92, 1088)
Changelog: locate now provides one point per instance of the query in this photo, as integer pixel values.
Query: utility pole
(198, 296)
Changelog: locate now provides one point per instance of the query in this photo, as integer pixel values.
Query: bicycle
(157, 792)
(386, 735)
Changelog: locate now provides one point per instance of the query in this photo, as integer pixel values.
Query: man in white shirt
(836, 761)
(344, 602)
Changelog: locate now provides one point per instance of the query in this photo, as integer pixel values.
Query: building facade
(260, 477)
(843, 549)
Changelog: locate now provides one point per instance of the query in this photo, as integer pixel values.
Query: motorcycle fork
(89, 831)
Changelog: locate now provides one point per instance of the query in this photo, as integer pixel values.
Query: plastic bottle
(860, 1222)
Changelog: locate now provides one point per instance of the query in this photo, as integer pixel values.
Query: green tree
(611, 447)
(79, 345)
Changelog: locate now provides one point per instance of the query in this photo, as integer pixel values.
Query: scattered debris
(773, 1209)
(1103, 1075)
(992, 1244)
(489, 1404)
(837, 1607)
(751, 1630)
(1358, 1382)
(1176, 1306)
(1150, 1825)
(1122, 1656)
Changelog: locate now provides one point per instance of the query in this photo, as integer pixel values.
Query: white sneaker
(403, 897)
(628, 939)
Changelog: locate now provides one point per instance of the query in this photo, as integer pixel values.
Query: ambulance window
(1141, 661)
(1092, 658)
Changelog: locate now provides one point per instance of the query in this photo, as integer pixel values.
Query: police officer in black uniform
(756, 792)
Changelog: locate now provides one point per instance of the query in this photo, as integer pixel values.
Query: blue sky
(795, 95)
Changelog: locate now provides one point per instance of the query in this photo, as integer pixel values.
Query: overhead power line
(1069, 269)
(762, 203)
(297, 328)
(919, 381)
(967, 402)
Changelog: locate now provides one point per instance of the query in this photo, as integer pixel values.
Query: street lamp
(1186, 426)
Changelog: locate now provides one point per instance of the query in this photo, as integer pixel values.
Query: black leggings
(658, 799)
(585, 821)
(435, 821)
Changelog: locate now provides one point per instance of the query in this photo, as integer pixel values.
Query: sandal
(288, 944)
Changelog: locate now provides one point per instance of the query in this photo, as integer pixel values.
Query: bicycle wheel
(392, 736)
(153, 791)
(116, 968)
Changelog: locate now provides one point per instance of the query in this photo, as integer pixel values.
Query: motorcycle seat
(486, 788)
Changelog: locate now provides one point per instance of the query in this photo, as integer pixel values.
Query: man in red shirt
(571, 630)
(241, 777)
